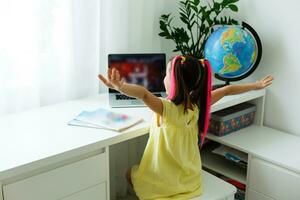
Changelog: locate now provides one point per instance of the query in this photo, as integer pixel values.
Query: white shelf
(222, 166)
(266, 143)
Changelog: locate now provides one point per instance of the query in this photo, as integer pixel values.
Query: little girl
(171, 166)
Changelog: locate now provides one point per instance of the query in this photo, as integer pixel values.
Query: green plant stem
(207, 16)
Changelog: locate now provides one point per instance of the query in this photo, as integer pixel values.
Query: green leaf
(184, 20)
(183, 3)
(232, 1)
(163, 34)
(163, 26)
(183, 11)
(233, 7)
(165, 17)
(183, 15)
(217, 6)
(188, 9)
(192, 17)
(235, 22)
(195, 8)
(202, 28)
(209, 21)
(206, 30)
(196, 2)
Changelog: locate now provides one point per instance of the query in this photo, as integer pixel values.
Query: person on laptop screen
(147, 70)
(171, 166)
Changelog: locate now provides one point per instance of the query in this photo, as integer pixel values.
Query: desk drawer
(60, 182)
(274, 181)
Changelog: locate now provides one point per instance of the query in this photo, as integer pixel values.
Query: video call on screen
(145, 70)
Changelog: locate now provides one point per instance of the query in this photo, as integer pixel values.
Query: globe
(233, 52)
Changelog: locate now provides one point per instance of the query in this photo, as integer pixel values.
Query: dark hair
(191, 85)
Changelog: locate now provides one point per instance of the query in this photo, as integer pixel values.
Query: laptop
(147, 70)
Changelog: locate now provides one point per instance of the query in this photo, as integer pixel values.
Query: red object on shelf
(237, 184)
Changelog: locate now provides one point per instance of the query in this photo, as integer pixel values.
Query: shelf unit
(223, 166)
(268, 150)
(218, 163)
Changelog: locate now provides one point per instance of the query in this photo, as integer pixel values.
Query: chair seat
(215, 188)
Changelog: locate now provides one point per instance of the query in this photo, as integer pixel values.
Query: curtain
(52, 50)
(49, 52)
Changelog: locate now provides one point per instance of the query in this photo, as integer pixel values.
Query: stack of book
(104, 119)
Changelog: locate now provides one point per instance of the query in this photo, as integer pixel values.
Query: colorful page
(108, 119)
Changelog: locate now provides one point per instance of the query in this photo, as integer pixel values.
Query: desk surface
(37, 138)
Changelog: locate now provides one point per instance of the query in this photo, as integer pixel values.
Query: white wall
(277, 23)
(135, 29)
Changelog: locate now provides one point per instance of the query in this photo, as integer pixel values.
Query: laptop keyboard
(124, 97)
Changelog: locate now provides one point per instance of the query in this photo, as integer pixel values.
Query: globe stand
(214, 87)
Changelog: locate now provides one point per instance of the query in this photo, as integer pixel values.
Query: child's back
(171, 164)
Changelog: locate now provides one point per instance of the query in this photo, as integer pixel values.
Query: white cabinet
(273, 180)
(253, 195)
(63, 181)
(97, 192)
(273, 171)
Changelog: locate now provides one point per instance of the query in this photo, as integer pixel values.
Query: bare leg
(128, 177)
(130, 190)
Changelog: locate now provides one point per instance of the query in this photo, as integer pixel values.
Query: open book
(103, 118)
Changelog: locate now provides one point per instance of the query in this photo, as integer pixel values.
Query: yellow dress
(170, 166)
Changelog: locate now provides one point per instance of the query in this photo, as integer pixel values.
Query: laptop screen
(147, 70)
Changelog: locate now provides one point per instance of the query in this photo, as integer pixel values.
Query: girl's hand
(114, 80)
(264, 82)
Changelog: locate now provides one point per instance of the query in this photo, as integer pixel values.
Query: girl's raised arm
(115, 81)
(218, 94)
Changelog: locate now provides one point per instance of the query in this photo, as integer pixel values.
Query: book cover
(103, 118)
(75, 122)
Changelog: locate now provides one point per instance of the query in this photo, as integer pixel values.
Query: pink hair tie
(208, 101)
(172, 81)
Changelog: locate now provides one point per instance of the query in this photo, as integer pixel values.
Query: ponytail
(200, 93)
(205, 102)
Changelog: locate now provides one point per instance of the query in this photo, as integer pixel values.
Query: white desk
(37, 148)
(38, 145)
(40, 137)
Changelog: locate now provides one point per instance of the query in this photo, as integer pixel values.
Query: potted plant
(199, 18)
